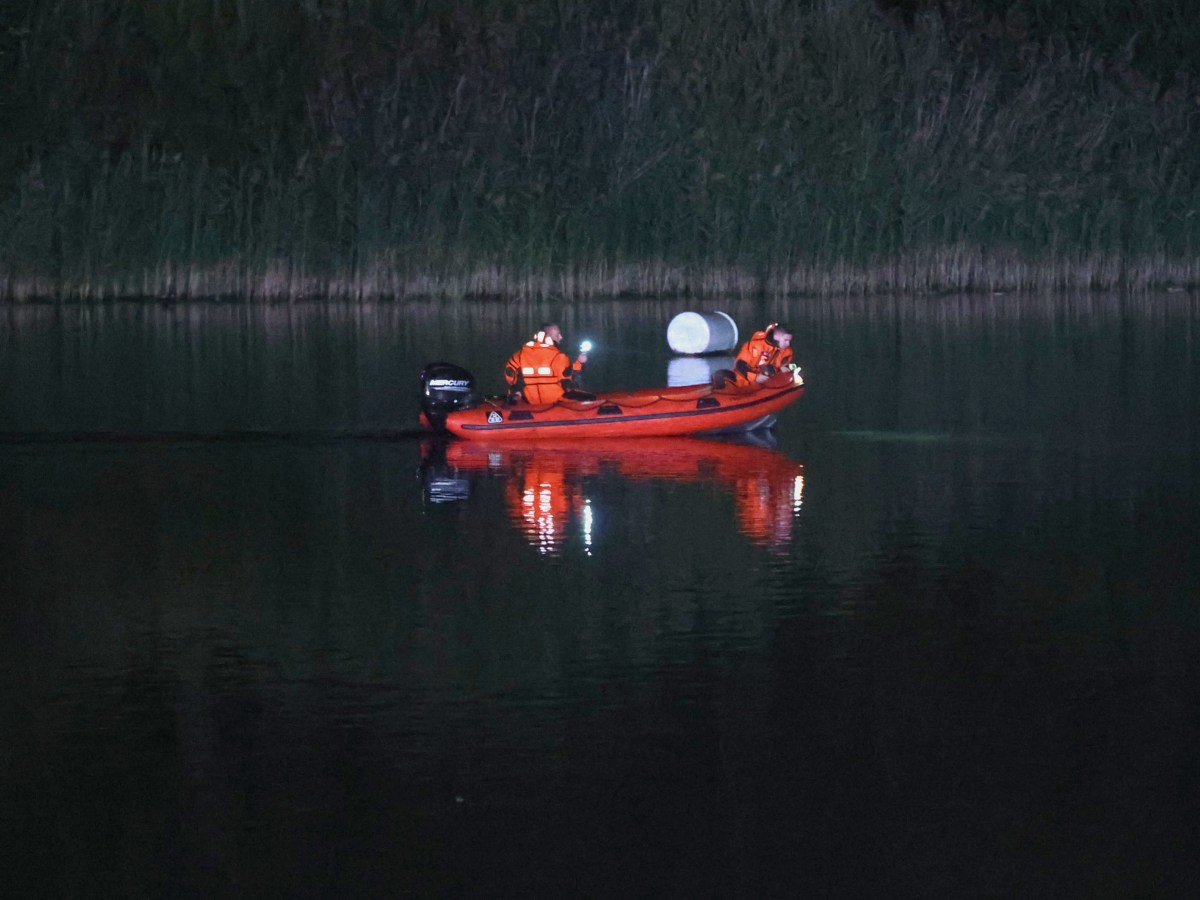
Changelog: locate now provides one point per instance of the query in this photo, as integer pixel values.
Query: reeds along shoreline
(953, 271)
(280, 151)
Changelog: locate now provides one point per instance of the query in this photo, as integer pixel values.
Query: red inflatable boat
(451, 404)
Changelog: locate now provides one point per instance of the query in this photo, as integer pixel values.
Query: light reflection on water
(946, 616)
(556, 492)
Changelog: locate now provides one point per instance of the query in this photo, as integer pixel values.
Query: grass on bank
(283, 150)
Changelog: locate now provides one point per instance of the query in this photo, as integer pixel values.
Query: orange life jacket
(541, 370)
(757, 353)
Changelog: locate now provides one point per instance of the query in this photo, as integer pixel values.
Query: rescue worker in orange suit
(540, 372)
(767, 353)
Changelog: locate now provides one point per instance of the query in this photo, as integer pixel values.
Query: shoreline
(950, 271)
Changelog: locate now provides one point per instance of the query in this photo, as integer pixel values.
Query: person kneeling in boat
(767, 353)
(541, 373)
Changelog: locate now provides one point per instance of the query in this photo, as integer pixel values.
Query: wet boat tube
(450, 403)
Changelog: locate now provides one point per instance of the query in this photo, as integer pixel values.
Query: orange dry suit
(758, 353)
(541, 370)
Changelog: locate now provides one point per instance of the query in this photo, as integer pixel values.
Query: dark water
(939, 636)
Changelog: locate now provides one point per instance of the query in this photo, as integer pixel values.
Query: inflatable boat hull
(656, 412)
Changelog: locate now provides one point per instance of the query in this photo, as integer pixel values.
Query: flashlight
(585, 346)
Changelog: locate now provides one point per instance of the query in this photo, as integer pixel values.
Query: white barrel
(693, 332)
(685, 370)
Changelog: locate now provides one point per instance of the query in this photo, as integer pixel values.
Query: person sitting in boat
(767, 353)
(541, 373)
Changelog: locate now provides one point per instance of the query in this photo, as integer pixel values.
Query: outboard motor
(445, 388)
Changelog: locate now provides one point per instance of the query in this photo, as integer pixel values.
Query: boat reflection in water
(682, 370)
(549, 486)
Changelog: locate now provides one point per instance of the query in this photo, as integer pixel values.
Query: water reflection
(685, 370)
(556, 490)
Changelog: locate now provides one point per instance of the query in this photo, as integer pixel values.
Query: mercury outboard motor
(445, 388)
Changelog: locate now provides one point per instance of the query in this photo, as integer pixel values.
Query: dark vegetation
(366, 147)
